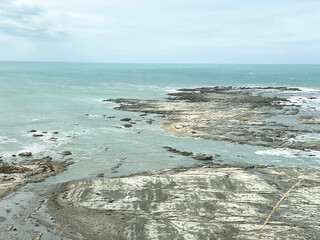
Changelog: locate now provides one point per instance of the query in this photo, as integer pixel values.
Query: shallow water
(53, 97)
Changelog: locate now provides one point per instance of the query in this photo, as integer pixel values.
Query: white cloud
(159, 28)
(26, 18)
(36, 19)
(92, 18)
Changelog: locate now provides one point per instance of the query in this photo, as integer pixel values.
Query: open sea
(55, 97)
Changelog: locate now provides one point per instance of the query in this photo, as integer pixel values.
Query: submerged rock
(25, 154)
(125, 119)
(173, 150)
(202, 157)
(100, 175)
(66, 153)
(37, 135)
(234, 114)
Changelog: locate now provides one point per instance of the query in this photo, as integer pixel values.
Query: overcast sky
(167, 31)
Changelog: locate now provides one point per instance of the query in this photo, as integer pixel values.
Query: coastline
(15, 176)
(210, 199)
(213, 201)
(242, 115)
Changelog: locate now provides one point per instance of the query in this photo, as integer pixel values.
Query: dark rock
(45, 159)
(45, 132)
(33, 131)
(127, 125)
(173, 150)
(66, 153)
(202, 157)
(100, 175)
(126, 119)
(37, 135)
(13, 155)
(55, 132)
(149, 121)
(25, 154)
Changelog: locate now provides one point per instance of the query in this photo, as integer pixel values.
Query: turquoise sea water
(52, 97)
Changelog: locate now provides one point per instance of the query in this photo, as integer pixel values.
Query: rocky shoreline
(210, 201)
(15, 175)
(214, 201)
(253, 116)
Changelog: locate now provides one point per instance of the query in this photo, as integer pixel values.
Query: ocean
(67, 98)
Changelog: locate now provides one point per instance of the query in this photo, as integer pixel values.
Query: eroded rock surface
(209, 202)
(254, 116)
(14, 176)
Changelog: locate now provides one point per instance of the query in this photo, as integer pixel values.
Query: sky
(161, 31)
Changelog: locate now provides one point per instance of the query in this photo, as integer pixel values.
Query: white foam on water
(87, 100)
(171, 90)
(277, 152)
(309, 101)
(289, 153)
(311, 90)
(308, 137)
(34, 148)
(36, 119)
(96, 116)
(5, 140)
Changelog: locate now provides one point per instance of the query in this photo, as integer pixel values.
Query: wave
(277, 152)
(5, 140)
(289, 153)
(309, 90)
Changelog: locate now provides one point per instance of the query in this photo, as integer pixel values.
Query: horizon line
(168, 63)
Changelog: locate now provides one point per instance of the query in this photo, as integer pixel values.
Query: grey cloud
(26, 21)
